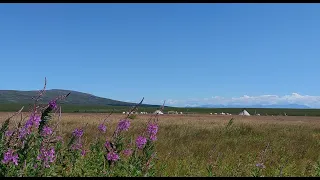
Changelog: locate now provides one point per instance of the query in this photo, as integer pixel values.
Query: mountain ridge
(82, 98)
(75, 98)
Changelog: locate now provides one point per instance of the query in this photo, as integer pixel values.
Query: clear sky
(182, 53)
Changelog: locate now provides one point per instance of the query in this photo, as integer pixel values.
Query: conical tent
(158, 112)
(244, 113)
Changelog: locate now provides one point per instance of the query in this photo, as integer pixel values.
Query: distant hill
(75, 98)
(278, 106)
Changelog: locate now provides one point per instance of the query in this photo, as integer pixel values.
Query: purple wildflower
(78, 132)
(8, 133)
(141, 141)
(107, 145)
(53, 104)
(153, 137)
(52, 155)
(260, 165)
(47, 131)
(28, 124)
(33, 120)
(23, 132)
(9, 157)
(102, 128)
(112, 156)
(36, 120)
(47, 156)
(153, 129)
(127, 152)
(123, 125)
(77, 144)
(83, 152)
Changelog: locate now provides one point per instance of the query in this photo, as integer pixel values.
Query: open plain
(202, 145)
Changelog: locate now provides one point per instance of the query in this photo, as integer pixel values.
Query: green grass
(187, 149)
(119, 109)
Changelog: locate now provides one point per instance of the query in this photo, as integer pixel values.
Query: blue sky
(183, 53)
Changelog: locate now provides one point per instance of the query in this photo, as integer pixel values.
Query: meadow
(70, 108)
(213, 145)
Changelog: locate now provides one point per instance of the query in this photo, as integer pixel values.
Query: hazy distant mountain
(289, 106)
(75, 98)
(80, 98)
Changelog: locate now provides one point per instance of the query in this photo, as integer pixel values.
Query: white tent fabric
(158, 112)
(244, 113)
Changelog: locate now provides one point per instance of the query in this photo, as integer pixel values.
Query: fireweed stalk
(27, 140)
(48, 141)
(10, 157)
(145, 146)
(102, 127)
(37, 150)
(76, 141)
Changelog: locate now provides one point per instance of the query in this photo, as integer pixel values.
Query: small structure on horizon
(244, 113)
(172, 112)
(158, 112)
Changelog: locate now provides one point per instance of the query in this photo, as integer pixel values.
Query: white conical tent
(158, 112)
(244, 113)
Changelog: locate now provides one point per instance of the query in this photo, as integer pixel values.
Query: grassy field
(119, 109)
(202, 145)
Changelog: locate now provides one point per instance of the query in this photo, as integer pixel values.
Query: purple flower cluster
(141, 141)
(28, 124)
(46, 131)
(23, 132)
(112, 156)
(77, 145)
(8, 133)
(33, 120)
(53, 104)
(123, 125)
(10, 157)
(153, 130)
(102, 128)
(78, 133)
(36, 120)
(47, 156)
(153, 137)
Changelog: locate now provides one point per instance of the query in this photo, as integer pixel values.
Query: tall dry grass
(188, 144)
